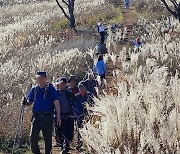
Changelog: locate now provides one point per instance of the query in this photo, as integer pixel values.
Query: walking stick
(17, 139)
(18, 135)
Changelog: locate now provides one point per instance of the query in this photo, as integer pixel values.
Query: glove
(24, 101)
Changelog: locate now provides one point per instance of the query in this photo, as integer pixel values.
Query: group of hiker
(60, 107)
(101, 28)
(102, 31)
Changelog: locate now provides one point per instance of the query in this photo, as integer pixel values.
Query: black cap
(41, 74)
(62, 80)
(72, 77)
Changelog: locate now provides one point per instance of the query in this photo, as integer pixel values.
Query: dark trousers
(71, 129)
(56, 133)
(65, 133)
(80, 125)
(42, 122)
(102, 34)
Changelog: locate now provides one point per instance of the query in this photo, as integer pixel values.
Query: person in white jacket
(101, 30)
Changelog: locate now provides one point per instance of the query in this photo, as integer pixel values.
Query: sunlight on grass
(110, 16)
(141, 15)
(143, 118)
(118, 16)
(62, 23)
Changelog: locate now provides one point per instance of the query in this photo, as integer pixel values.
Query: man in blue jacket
(44, 97)
(82, 98)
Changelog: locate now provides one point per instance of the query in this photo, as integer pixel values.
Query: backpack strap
(78, 98)
(46, 91)
(35, 92)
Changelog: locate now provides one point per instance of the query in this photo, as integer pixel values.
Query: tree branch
(175, 4)
(65, 2)
(62, 9)
(168, 8)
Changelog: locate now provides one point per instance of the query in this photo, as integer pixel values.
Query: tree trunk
(71, 14)
(70, 17)
(72, 21)
(179, 12)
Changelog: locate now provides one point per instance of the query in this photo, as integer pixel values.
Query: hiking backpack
(70, 97)
(101, 48)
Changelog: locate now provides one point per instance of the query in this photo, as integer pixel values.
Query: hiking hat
(82, 83)
(62, 80)
(72, 77)
(41, 74)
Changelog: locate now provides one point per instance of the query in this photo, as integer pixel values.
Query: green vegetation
(6, 146)
(60, 24)
(111, 15)
(141, 15)
(117, 16)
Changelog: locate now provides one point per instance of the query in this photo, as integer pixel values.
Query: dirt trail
(129, 20)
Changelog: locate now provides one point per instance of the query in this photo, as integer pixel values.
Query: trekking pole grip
(24, 101)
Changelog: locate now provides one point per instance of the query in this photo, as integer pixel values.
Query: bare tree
(69, 4)
(174, 11)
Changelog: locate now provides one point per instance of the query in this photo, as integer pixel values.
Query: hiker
(100, 68)
(101, 48)
(82, 98)
(138, 43)
(66, 100)
(73, 84)
(44, 97)
(101, 30)
(91, 84)
(126, 3)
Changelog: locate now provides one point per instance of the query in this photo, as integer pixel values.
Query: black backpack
(101, 48)
(70, 96)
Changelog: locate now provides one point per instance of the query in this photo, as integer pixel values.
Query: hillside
(140, 112)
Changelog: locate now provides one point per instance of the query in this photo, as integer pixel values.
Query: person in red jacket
(73, 84)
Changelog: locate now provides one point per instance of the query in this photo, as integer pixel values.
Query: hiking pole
(17, 139)
(18, 135)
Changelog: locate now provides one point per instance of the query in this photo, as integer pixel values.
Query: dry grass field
(143, 115)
